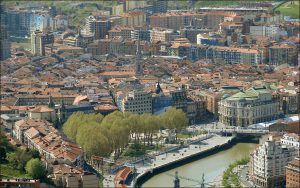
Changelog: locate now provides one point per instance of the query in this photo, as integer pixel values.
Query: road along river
(212, 166)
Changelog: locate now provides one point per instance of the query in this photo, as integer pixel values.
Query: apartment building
(24, 124)
(19, 21)
(142, 34)
(159, 6)
(39, 40)
(290, 139)
(120, 31)
(177, 20)
(282, 53)
(179, 49)
(68, 176)
(135, 101)
(267, 163)
(29, 100)
(42, 21)
(213, 19)
(131, 5)
(180, 20)
(248, 107)
(293, 173)
(162, 35)
(131, 19)
(236, 55)
(97, 27)
(4, 43)
(263, 30)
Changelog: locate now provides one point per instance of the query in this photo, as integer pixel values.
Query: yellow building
(134, 19)
(118, 9)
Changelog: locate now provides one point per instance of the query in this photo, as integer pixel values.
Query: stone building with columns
(251, 106)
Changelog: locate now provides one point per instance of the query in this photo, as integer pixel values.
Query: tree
(36, 169)
(174, 119)
(2, 153)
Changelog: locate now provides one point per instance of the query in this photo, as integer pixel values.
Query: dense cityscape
(150, 93)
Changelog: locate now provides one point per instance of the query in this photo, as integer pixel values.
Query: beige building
(136, 101)
(132, 19)
(118, 9)
(162, 34)
(42, 112)
(248, 107)
(68, 176)
(131, 5)
(22, 125)
(120, 31)
(267, 163)
(39, 40)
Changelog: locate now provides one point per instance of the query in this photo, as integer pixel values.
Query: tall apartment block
(4, 43)
(268, 161)
(39, 40)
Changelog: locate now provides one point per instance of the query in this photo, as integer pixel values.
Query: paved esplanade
(173, 156)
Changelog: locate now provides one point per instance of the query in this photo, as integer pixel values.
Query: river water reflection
(211, 166)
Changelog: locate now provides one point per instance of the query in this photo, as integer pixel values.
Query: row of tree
(99, 135)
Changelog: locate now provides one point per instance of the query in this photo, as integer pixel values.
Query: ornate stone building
(248, 107)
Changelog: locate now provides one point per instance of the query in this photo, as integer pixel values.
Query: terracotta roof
(66, 169)
(32, 132)
(123, 174)
(32, 122)
(42, 109)
(80, 98)
(103, 107)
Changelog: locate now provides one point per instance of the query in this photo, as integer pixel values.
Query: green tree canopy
(36, 169)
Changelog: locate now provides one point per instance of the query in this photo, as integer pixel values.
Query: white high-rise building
(268, 161)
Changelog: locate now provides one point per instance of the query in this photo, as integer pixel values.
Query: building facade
(4, 43)
(136, 102)
(39, 40)
(290, 139)
(293, 173)
(248, 107)
(267, 163)
(282, 53)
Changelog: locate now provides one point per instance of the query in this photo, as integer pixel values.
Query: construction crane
(199, 183)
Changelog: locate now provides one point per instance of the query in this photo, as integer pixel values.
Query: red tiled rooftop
(123, 174)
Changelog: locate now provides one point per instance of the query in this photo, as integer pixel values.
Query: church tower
(138, 61)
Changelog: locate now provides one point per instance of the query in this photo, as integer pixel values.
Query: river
(212, 166)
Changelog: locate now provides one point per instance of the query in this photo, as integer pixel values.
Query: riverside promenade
(192, 148)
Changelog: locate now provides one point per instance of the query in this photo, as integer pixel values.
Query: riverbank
(184, 156)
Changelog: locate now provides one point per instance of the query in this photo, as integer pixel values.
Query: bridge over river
(238, 132)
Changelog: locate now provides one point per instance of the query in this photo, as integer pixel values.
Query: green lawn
(7, 171)
(290, 9)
